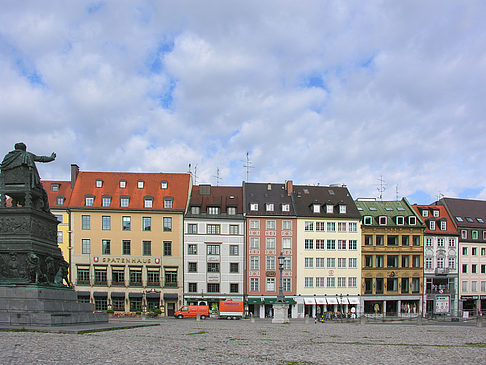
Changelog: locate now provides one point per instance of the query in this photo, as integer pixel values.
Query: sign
(442, 304)
(271, 273)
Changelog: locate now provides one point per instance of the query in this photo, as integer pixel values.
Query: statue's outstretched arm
(50, 158)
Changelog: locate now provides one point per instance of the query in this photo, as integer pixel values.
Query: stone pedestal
(23, 306)
(280, 313)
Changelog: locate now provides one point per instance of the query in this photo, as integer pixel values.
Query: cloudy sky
(319, 92)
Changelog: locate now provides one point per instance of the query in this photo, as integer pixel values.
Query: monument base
(32, 306)
(280, 313)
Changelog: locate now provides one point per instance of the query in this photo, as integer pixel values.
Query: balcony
(442, 271)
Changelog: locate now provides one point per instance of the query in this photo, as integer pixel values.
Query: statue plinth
(280, 313)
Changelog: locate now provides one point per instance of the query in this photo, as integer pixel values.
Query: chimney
(289, 187)
(74, 174)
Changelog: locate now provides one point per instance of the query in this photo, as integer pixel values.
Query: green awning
(255, 301)
(290, 301)
(273, 300)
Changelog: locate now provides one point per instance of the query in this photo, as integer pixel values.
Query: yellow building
(127, 239)
(391, 257)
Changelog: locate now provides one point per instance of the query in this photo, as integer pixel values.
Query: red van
(191, 311)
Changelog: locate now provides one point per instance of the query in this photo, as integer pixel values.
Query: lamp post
(280, 307)
(280, 296)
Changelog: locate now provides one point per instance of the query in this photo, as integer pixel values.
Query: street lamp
(280, 296)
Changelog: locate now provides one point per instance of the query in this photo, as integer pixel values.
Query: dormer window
(329, 208)
(106, 201)
(99, 183)
(480, 220)
(469, 219)
(342, 209)
(89, 200)
(195, 210)
(432, 225)
(269, 207)
(425, 213)
(213, 210)
(436, 213)
(368, 220)
(148, 202)
(123, 184)
(285, 207)
(382, 221)
(316, 208)
(443, 225)
(54, 187)
(168, 202)
(254, 207)
(140, 184)
(164, 184)
(231, 210)
(412, 221)
(60, 200)
(400, 220)
(124, 201)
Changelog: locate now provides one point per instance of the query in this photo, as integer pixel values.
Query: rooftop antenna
(381, 187)
(195, 175)
(218, 178)
(440, 196)
(248, 165)
(396, 192)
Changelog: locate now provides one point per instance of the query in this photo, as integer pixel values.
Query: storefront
(470, 304)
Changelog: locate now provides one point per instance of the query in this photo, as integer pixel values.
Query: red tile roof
(64, 191)
(177, 189)
(219, 196)
(443, 215)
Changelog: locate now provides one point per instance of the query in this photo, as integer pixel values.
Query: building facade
(214, 245)
(270, 232)
(328, 251)
(127, 239)
(441, 260)
(469, 217)
(392, 258)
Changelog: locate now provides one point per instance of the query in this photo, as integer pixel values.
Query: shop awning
(171, 296)
(117, 295)
(255, 301)
(153, 295)
(82, 293)
(290, 301)
(270, 300)
(135, 295)
(342, 300)
(100, 294)
(353, 300)
(309, 301)
(321, 301)
(331, 300)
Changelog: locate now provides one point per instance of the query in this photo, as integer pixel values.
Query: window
(352, 282)
(316, 208)
(392, 284)
(440, 262)
(285, 207)
(123, 184)
(100, 276)
(192, 249)
(380, 240)
(148, 202)
(474, 286)
(428, 242)
(60, 237)
(168, 203)
(400, 221)
(341, 263)
(352, 262)
(287, 264)
(369, 286)
(392, 240)
(331, 226)
(83, 276)
(331, 244)
(192, 228)
(483, 251)
(464, 268)
(270, 262)
(483, 269)
(308, 244)
(443, 225)
(331, 282)
(392, 261)
(234, 229)
(405, 285)
(380, 261)
(428, 263)
(320, 244)
(234, 288)
(254, 262)
(464, 234)
(368, 220)
(287, 284)
(85, 246)
(309, 262)
(342, 227)
(309, 226)
(195, 210)
(382, 221)
(425, 213)
(320, 262)
(254, 242)
(270, 284)
(231, 210)
(415, 285)
(60, 200)
(432, 225)
(234, 250)
(440, 242)
(164, 184)
(341, 244)
(452, 262)
(99, 183)
(117, 276)
(270, 242)
(269, 207)
(368, 261)
(192, 288)
(329, 209)
(405, 261)
(126, 223)
(124, 201)
(464, 286)
(353, 227)
(352, 245)
(368, 241)
(474, 268)
(140, 184)
(85, 222)
(213, 249)
(146, 223)
(331, 263)
(126, 247)
(416, 240)
(464, 251)
(286, 225)
(213, 229)
(475, 235)
(167, 222)
(167, 248)
(342, 209)
(171, 278)
(213, 288)
(253, 207)
(213, 266)
(412, 221)
(106, 201)
(286, 242)
(483, 286)
(254, 284)
(146, 248)
(213, 210)
(54, 187)
(320, 226)
(105, 247)
(341, 282)
(254, 224)
(106, 223)
(270, 225)
(469, 219)
(416, 261)
(308, 282)
(234, 267)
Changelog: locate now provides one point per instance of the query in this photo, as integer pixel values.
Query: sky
(318, 92)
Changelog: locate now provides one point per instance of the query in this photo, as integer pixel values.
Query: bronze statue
(18, 167)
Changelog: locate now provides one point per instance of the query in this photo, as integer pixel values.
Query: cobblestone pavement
(246, 342)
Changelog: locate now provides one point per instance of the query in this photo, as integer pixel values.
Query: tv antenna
(396, 192)
(381, 187)
(248, 166)
(218, 177)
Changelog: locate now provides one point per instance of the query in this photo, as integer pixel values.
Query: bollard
(362, 319)
(479, 322)
(252, 319)
(306, 319)
(198, 317)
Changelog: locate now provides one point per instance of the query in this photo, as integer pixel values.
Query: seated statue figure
(17, 168)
